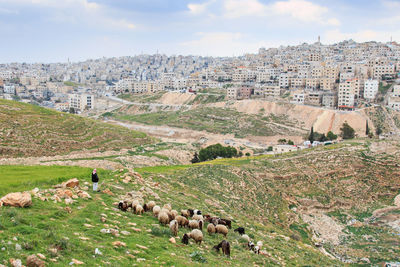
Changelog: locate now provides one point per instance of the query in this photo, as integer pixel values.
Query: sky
(57, 30)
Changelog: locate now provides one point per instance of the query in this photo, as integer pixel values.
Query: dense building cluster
(346, 75)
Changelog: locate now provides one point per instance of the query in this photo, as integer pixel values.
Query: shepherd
(95, 180)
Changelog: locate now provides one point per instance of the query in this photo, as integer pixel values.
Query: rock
(71, 183)
(16, 262)
(97, 252)
(118, 244)
(142, 247)
(125, 233)
(68, 209)
(64, 193)
(136, 229)
(88, 225)
(105, 231)
(75, 197)
(172, 240)
(43, 257)
(35, 191)
(108, 192)
(102, 219)
(140, 259)
(17, 199)
(18, 247)
(34, 261)
(83, 194)
(68, 201)
(366, 260)
(77, 262)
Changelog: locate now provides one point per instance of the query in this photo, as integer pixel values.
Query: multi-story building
(347, 94)
(81, 102)
(380, 71)
(370, 89)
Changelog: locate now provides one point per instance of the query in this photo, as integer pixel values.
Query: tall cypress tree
(366, 129)
(311, 137)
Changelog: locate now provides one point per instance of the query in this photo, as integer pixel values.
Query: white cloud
(299, 10)
(197, 9)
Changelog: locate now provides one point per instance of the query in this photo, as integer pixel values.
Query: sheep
(207, 217)
(225, 222)
(182, 221)
(122, 206)
(214, 220)
(255, 249)
(246, 237)
(185, 239)
(193, 224)
(185, 213)
(211, 228)
(191, 212)
(149, 206)
(134, 204)
(173, 226)
(196, 212)
(240, 230)
(226, 247)
(138, 209)
(197, 217)
(196, 235)
(163, 218)
(168, 207)
(260, 244)
(221, 229)
(156, 210)
(251, 245)
(174, 213)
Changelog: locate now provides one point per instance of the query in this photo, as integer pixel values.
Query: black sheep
(185, 239)
(226, 247)
(226, 222)
(240, 230)
(122, 206)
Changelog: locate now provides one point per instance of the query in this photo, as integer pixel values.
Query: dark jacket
(95, 178)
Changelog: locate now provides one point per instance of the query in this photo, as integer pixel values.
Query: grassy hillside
(215, 120)
(28, 130)
(272, 197)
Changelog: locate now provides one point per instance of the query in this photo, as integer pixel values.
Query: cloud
(197, 9)
(299, 10)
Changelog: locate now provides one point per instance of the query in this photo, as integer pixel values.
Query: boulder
(119, 244)
(17, 199)
(83, 194)
(34, 261)
(71, 183)
(108, 192)
(16, 262)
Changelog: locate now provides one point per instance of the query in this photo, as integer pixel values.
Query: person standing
(95, 180)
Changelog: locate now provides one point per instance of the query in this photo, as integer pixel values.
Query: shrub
(347, 132)
(217, 150)
(198, 256)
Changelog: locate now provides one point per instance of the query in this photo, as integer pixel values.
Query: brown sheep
(211, 228)
(138, 209)
(173, 226)
(226, 247)
(193, 224)
(182, 221)
(221, 229)
(156, 210)
(168, 207)
(185, 213)
(149, 206)
(197, 217)
(174, 213)
(163, 218)
(196, 235)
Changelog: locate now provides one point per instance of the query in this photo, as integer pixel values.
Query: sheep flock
(192, 219)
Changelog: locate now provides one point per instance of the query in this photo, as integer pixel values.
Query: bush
(270, 148)
(347, 132)
(217, 150)
(331, 136)
(198, 256)
(247, 154)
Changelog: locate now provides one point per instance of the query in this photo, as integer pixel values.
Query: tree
(270, 148)
(378, 130)
(215, 151)
(347, 132)
(366, 129)
(311, 137)
(72, 110)
(322, 138)
(290, 142)
(282, 141)
(331, 136)
(195, 158)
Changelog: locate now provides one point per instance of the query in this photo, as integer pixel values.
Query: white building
(81, 102)
(370, 89)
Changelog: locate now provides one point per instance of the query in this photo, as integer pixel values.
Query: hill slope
(340, 197)
(28, 130)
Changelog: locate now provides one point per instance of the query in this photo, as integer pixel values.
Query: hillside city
(345, 76)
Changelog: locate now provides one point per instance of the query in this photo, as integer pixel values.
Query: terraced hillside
(320, 207)
(28, 130)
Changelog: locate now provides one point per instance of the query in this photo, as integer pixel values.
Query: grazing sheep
(134, 204)
(214, 220)
(196, 235)
(246, 237)
(185, 239)
(197, 217)
(221, 229)
(201, 225)
(260, 244)
(256, 250)
(149, 206)
(122, 206)
(182, 221)
(193, 224)
(196, 212)
(173, 226)
(185, 213)
(226, 247)
(226, 222)
(240, 230)
(174, 213)
(251, 245)
(207, 217)
(211, 228)
(168, 207)
(163, 218)
(156, 210)
(138, 209)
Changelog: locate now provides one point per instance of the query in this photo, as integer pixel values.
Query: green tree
(331, 136)
(378, 130)
(270, 148)
(311, 137)
(347, 132)
(195, 158)
(290, 142)
(322, 138)
(217, 150)
(247, 154)
(366, 129)
(282, 141)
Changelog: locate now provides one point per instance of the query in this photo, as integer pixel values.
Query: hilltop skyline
(49, 31)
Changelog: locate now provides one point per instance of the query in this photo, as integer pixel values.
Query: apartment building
(327, 84)
(380, 71)
(348, 92)
(370, 89)
(81, 102)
